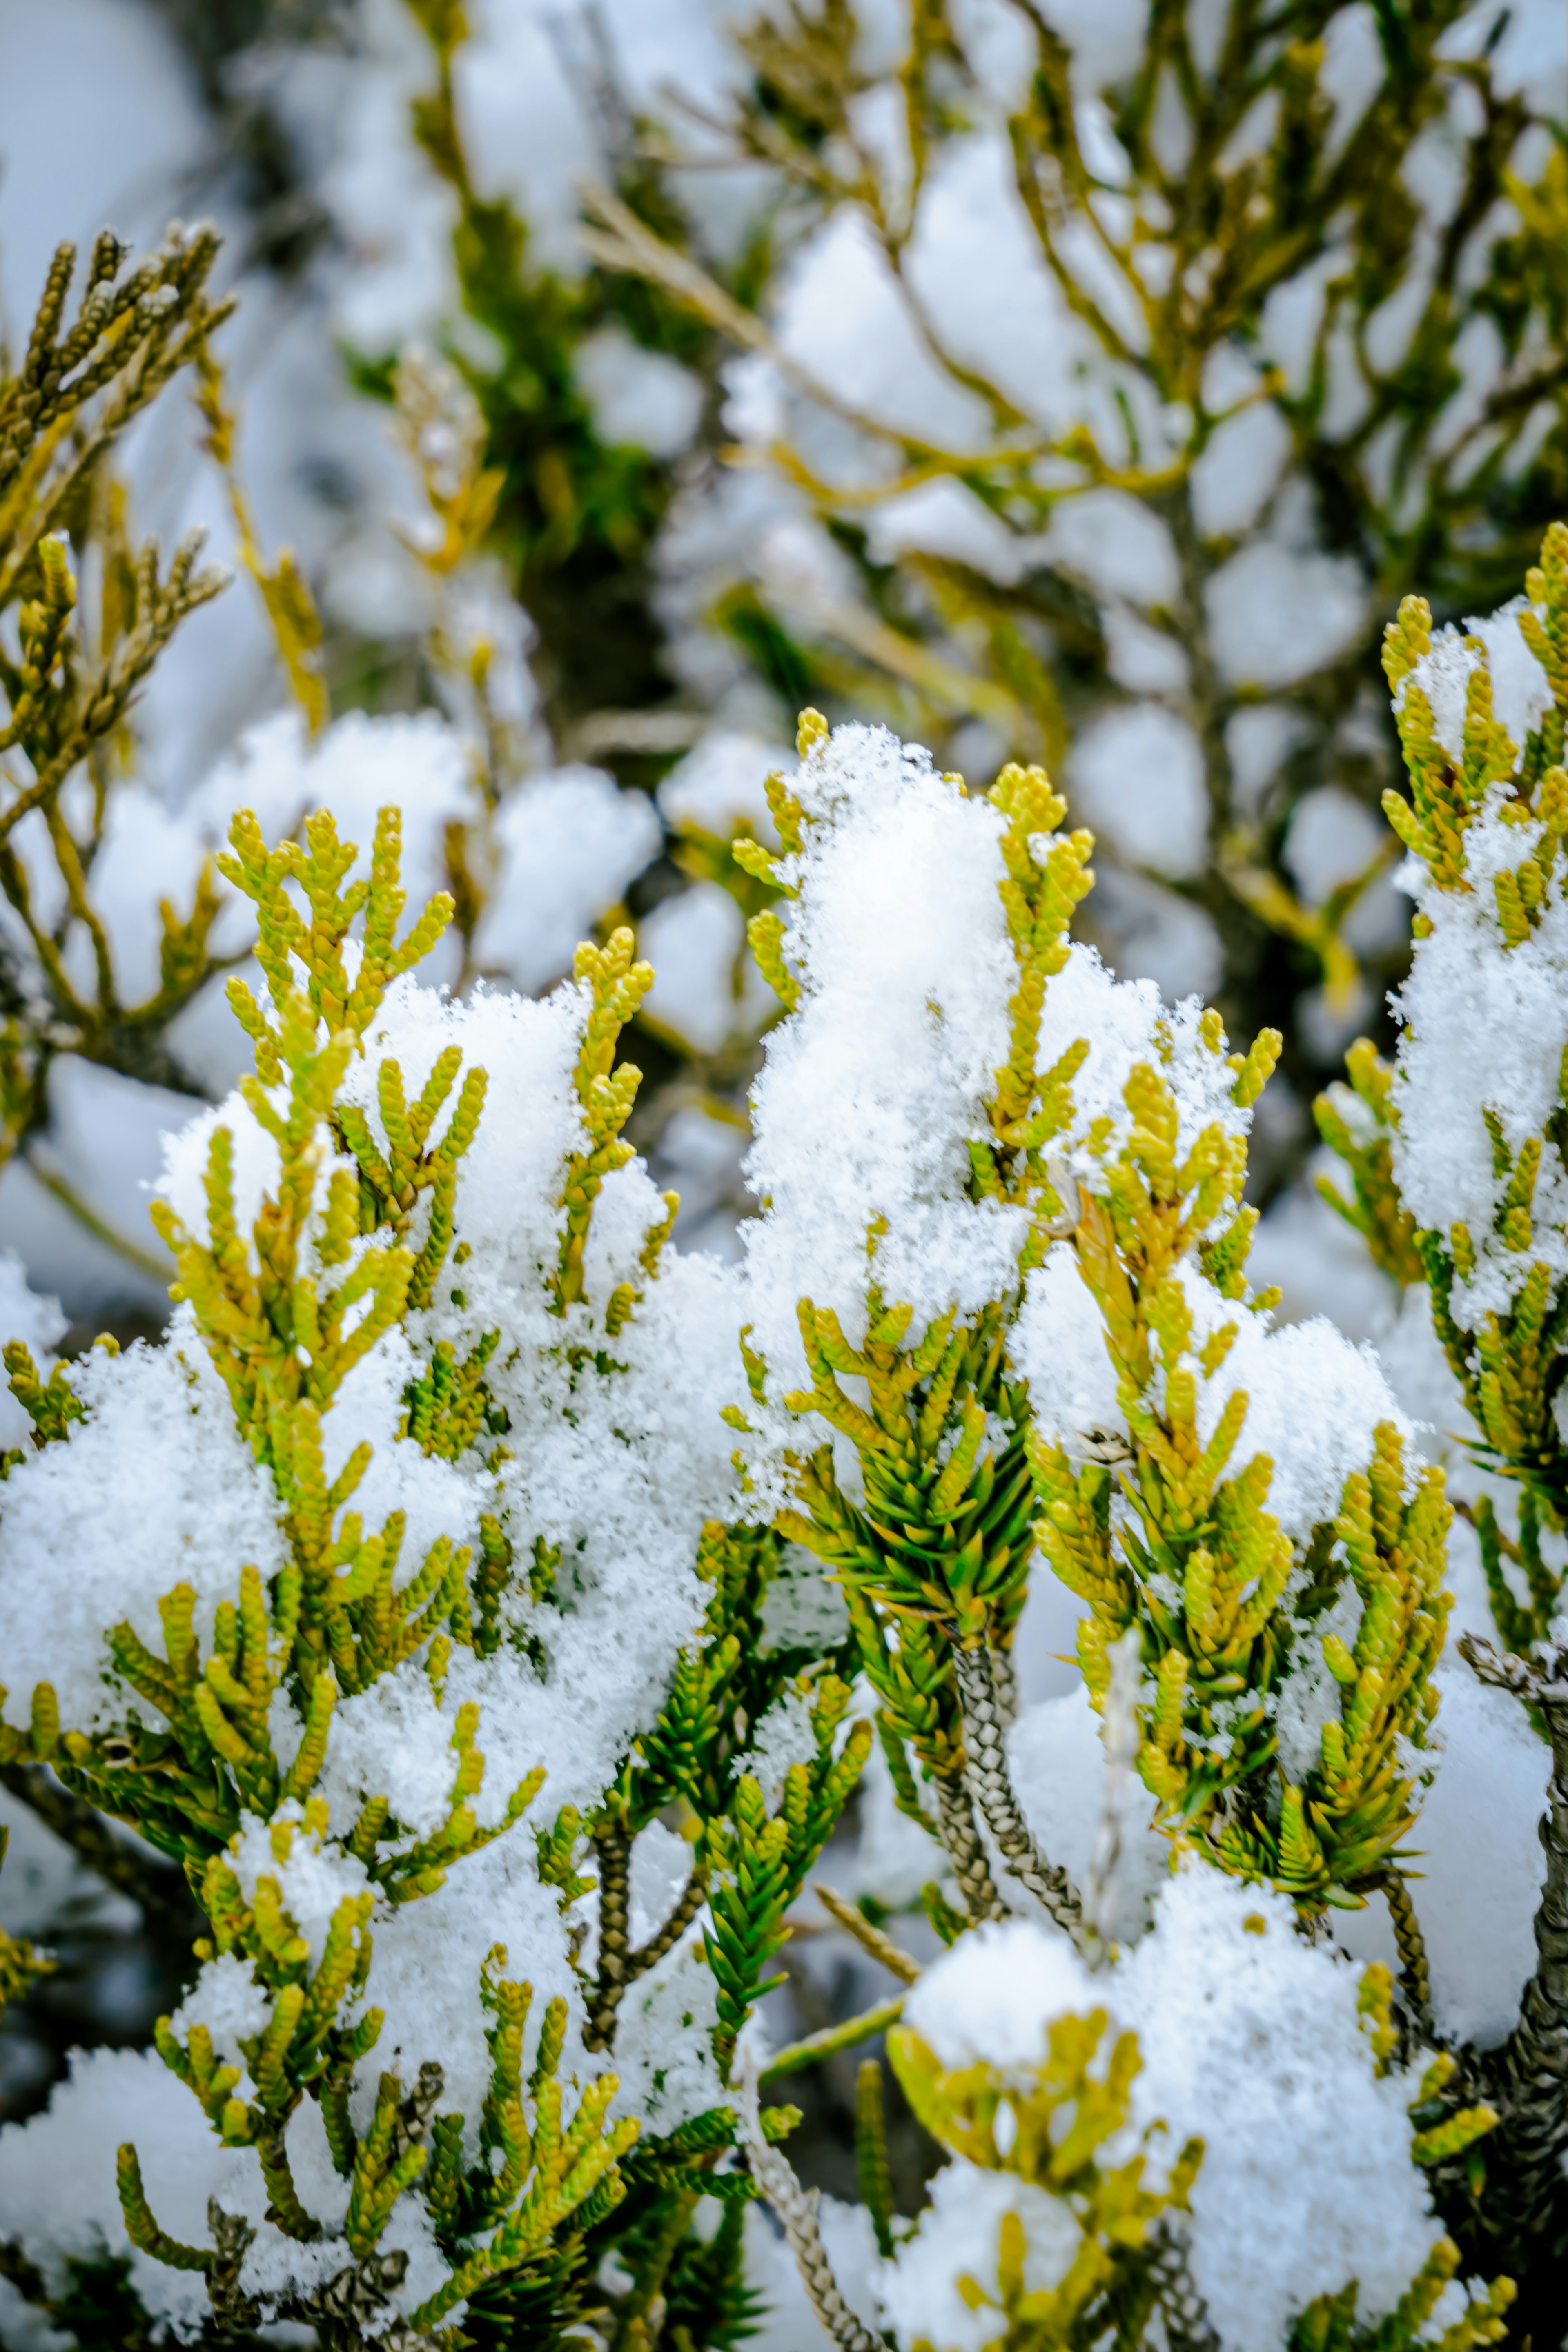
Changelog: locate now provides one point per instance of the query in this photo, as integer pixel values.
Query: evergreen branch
(154, 1885)
(830, 2040)
(869, 1937)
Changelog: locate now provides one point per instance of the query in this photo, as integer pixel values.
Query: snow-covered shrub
(427, 1594)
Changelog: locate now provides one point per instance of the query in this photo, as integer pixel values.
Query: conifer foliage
(445, 2064)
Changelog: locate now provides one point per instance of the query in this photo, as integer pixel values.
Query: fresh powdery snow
(1249, 2039)
(1485, 1024)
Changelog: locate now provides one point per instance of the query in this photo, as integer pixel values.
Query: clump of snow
(1313, 1399)
(1250, 2040)
(1253, 2041)
(706, 984)
(959, 2237)
(57, 2176)
(1521, 691)
(359, 766)
(1137, 777)
(640, 399)
(989, 2002)
(871, 1088)
(1313, 1404)
(874, 1086)
(1059, 1344)
(615, 1469)
(1125, 1024)
(129, 1535)
(1480, 1856)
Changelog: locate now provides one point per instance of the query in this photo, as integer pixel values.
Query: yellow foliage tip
(1255, 1068)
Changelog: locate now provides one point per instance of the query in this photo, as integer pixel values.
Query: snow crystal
(784, 1737)
(395, 1741)
(1309, 1696)
(664, 2049)
(1249, 2039)
(314, 1875)
(230, 2001)
(1125, 1023)
(1485, 1030)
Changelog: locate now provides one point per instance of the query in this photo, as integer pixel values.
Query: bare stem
(1414, 1974)
(1532, 2068)
(961, 1842)
(988, 1771)
(796, 2208)
(870, 1939)
(619, 1965)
